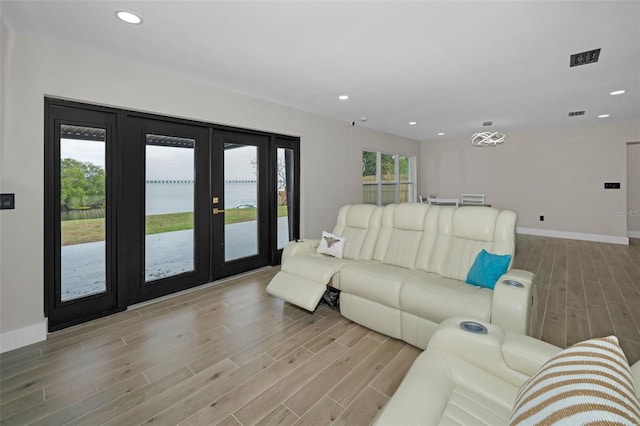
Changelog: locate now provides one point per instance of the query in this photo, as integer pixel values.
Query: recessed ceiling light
(412, 123)
(604, 116)
(441, 134)
(618, 92)
(128, 17)
(343, 97)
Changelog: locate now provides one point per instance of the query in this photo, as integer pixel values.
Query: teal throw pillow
(487, 268)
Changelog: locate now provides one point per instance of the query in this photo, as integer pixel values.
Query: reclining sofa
(475, 373)
(404, 266)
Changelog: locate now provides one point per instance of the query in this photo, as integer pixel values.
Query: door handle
(217, 210)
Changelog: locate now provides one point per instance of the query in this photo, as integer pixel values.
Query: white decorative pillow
(587, 383)
(331, 244)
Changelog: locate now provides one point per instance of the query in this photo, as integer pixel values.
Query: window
(387, 178)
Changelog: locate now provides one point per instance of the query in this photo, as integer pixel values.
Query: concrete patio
(168, 254)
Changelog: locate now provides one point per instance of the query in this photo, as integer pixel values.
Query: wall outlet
(541, 218)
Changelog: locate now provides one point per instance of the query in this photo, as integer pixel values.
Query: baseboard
(15, 339)
(574, 235)
(633, 234)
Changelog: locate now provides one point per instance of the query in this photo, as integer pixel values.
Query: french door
(240, 202)
(165, 226)
(80, 220)
(139, 206)
(255, 199)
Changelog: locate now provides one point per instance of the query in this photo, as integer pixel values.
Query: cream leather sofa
(467, 378)
(404, 266)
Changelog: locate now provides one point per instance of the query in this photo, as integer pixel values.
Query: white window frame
(378, 182)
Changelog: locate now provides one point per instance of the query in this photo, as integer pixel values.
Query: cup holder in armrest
(513, 283)
(473, 327)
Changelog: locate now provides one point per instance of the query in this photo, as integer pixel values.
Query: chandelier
(487, 139)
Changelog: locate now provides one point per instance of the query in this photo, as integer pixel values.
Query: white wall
(633, 190)
(31, 70)
(556, 173)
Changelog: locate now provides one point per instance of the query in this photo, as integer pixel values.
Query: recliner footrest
(297, 290)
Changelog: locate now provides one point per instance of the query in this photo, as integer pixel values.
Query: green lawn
(91, 230)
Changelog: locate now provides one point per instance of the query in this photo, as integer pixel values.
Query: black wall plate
(7, 201)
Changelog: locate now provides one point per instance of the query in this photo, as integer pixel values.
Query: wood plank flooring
(226, 354)
(586, 289)
(231, 354)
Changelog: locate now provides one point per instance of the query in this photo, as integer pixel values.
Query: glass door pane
(405, 188)
(240, 201)
(369, 177)
(284, 181)
(169, 206)
(82, 211)
(388, 178)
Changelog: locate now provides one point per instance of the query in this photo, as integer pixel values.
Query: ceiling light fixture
(412, 123)
(617, 92)
(343, 97)
(441, 134)
(128, 17)
(483, 139)
(604, 116)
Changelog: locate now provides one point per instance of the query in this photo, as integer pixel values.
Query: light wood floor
(586, 290)
(231, 354)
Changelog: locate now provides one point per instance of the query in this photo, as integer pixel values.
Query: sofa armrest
(299, 247)
(514, 306)
(526, 354)
(482, 350)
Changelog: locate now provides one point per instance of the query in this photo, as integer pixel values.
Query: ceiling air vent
(488, 123)
(584, 58)
(576, 113)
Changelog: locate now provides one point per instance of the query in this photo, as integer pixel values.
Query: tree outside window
(81, 185)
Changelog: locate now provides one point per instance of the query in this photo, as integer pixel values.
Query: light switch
(7, 201)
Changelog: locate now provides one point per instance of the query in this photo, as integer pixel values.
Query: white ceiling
(448, 65)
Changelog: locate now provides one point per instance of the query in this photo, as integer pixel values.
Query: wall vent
(584, 58)
(576, 113)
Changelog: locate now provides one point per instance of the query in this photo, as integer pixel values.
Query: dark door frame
(221, 267)
(122, 239)
(63, 314)
(132, 223)
(292, 164)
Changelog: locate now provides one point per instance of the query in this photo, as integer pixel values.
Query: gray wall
(31, 69)
(556, 173)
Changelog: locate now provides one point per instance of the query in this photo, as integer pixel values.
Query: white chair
(472, 199)
(426, 199)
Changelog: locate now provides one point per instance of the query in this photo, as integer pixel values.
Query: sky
(86, 151)
(165, 163)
